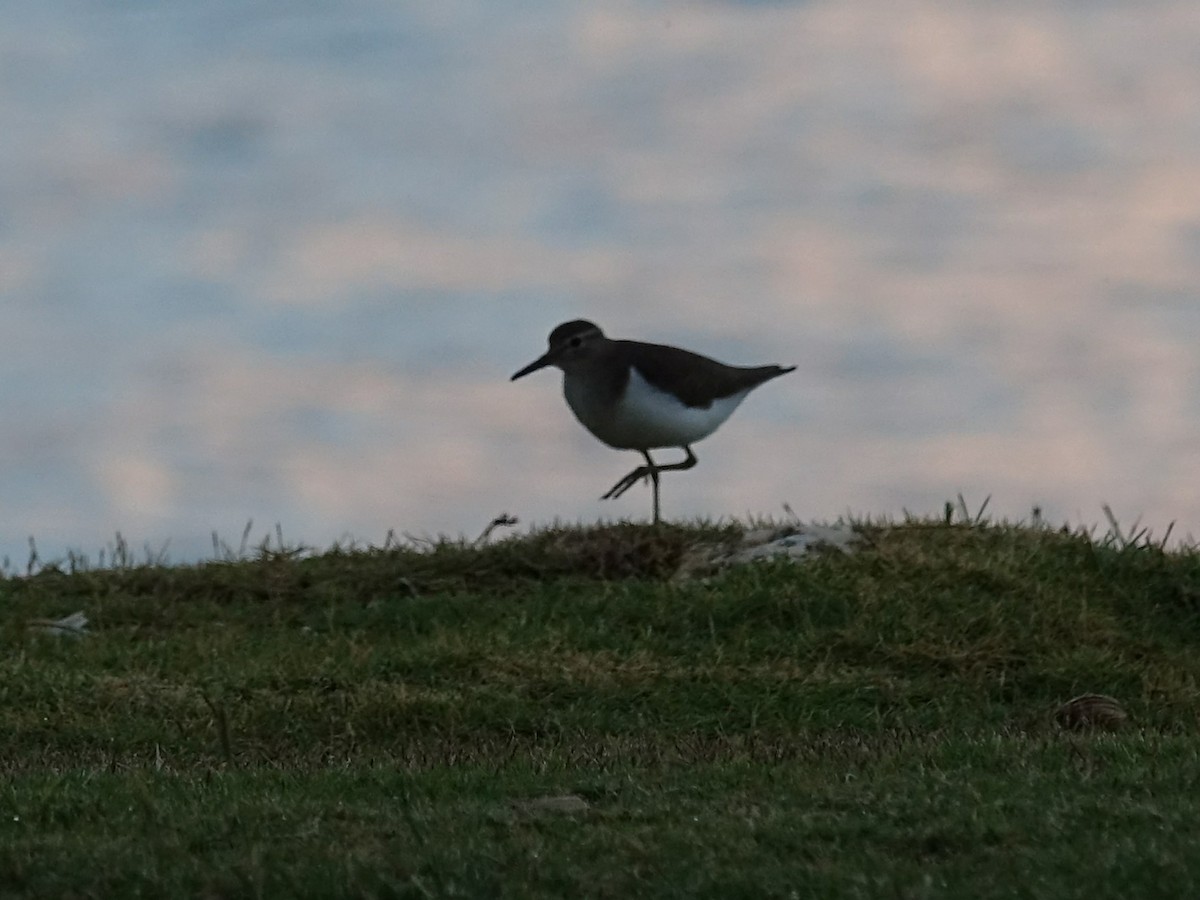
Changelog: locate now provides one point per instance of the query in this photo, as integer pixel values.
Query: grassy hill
(568, 713)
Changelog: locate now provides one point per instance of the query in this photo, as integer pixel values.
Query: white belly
(645, 417)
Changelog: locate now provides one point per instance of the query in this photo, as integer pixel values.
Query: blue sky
(277, 263)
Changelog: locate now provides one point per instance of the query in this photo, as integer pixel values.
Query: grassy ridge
(373, 723)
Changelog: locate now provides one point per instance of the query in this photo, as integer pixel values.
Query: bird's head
(573, 345)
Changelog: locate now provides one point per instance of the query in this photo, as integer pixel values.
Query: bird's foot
(628, 481)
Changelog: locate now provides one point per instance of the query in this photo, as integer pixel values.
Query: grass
(376, 722)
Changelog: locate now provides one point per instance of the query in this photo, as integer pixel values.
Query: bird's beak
(540, 363)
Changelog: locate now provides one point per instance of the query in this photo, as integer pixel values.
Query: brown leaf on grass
(1091, 711)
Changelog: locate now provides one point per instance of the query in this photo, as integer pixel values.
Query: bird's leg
(650, 470)
(654, 470)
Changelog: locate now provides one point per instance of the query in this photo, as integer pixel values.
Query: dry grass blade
(222, 727)
(568, 804)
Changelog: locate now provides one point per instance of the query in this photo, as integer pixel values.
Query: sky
(276, 262)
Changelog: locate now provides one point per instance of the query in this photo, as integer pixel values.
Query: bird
(638, 396)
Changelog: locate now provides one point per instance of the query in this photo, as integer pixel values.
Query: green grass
(373, 723)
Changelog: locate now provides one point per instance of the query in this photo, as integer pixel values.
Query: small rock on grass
(791, 542)
(73, 626)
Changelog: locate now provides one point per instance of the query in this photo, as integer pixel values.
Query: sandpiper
(637, 396)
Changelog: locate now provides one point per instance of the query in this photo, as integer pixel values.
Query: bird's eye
(576, 341)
